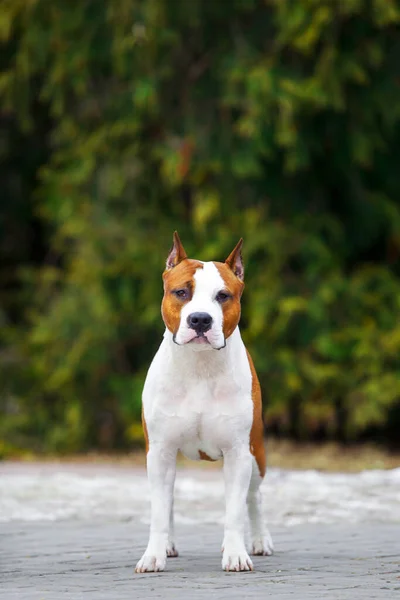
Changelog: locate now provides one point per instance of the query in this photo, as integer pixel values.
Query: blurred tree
(276, 120)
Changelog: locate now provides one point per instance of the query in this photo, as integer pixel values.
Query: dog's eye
(181, 294)
(222, 297)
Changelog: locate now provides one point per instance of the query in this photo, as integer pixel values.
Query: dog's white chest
(200, 421)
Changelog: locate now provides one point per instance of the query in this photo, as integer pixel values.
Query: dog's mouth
(199, 339)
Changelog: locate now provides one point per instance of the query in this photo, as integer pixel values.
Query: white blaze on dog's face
(201, 304)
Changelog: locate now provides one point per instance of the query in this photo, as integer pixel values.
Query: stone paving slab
(94, 561)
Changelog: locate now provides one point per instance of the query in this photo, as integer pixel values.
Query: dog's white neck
(204, 360)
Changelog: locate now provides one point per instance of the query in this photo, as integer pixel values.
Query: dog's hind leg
(171, 550)
(261, 541)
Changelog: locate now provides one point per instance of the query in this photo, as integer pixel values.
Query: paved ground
(94, 560)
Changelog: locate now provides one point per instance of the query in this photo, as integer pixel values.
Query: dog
(202, 397)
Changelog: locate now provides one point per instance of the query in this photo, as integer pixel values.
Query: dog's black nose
(200, 321)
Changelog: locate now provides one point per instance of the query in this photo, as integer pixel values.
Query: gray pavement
(95, 560)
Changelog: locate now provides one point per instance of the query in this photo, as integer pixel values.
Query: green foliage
(273, 120)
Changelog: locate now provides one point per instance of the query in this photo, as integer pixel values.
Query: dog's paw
(172, 552)
(232, 560)
(263, 546)
(262, 549)
(149, 563)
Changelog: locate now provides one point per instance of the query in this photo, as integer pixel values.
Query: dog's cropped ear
(235, 262)
(176, 254)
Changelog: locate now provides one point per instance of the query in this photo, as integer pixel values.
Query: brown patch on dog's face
(231, 306)
(178, 291)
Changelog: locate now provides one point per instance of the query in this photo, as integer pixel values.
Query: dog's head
(201, 304)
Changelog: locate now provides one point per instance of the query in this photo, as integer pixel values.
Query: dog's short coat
(202, 396)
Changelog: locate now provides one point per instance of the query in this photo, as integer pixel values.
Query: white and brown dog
(205, 403)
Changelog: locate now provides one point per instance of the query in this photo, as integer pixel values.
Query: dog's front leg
(237, 474)
(161, 467)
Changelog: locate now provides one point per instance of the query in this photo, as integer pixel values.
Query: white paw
(150, 563)
(172, 552)
(232, 560)
(263, 546)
